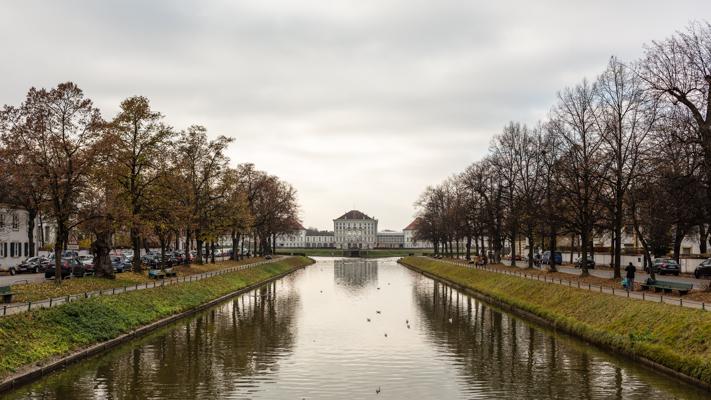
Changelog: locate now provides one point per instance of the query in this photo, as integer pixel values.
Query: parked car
(69, 267)
(704, 269)
(557, 257)
(663, 266)
(8, 269)
(86, 259)
(70, 254)
(34, 265)
(119, 263)
(590, 263)
(268, 257)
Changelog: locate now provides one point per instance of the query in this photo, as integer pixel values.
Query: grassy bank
(34, 337)
(43, 290)
(377, 253)
(678, 338)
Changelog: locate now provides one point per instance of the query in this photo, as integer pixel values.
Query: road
(7, 279)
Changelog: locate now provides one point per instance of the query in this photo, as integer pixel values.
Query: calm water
(308, 336)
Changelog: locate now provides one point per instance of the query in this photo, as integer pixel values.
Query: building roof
(354, 214)
(413, 225)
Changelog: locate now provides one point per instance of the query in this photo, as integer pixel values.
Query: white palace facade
(352, 230)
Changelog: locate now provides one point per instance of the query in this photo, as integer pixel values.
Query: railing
(678, 301)
(16, 308)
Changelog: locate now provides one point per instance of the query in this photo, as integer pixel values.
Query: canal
(344, 329)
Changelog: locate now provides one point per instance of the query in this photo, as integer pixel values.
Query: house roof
(353, 214)
(413, 225)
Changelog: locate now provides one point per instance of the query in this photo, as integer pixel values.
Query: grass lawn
(44, 290)
(36, 336)
(679, 338)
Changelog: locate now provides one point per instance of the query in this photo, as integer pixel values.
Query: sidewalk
(599, 287)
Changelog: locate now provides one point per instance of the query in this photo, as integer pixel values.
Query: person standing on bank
(630, 276)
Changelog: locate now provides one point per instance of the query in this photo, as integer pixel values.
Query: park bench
(6, 292)
(160, 274)
(666, 286)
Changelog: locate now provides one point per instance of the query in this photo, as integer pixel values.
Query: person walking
(630, 276)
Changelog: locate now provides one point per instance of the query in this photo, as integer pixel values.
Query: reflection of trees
(355, 274)
(219, 352)
(505, 357)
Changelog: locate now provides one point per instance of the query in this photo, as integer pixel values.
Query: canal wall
(36, 343)
(660, 336)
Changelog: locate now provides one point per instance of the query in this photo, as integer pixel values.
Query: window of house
(2, 220)
(27, 249)
(15, 222)
(686, 250)
(3, 249)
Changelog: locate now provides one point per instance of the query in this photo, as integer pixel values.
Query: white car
(10, 270)
(86, 260)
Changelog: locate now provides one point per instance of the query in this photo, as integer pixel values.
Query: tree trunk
(198, 254)
(212, 251)
(235, 242)
(703, 238)
(136, 243)
(31, 230)
(584, 256)
(678, 238)
(58, 248)
(469, 248)
(514, 234)
(551, 258)
(529, 236)
(101, 249)
(162, 251)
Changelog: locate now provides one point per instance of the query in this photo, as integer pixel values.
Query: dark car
(663, 266)
(704, 269)
(69, 266)
(557, 257)
(590, 263)
(34, 265)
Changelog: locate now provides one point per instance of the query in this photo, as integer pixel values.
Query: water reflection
(219, 353)
(507, 358)
(355, 274)
(344, 328)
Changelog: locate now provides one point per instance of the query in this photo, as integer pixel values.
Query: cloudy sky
(359, 104)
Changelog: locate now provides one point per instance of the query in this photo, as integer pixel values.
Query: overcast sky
(359, 104)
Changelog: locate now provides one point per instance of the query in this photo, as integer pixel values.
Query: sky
(358, 104)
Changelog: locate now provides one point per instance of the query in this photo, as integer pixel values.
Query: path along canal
(344, 328)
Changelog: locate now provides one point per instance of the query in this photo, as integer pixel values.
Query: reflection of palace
(355, 273)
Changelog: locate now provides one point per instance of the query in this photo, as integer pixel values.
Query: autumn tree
(57, 131)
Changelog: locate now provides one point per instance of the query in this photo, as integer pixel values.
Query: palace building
(355, 230)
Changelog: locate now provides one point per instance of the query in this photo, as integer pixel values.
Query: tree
(575, 119)
(140, 139)
(628, 114)
(58, 130)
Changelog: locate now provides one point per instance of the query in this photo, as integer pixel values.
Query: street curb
(527, 315)
(34, 373)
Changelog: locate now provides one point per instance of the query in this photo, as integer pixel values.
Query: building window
(2, 220)
(27, 249)
(15, 222)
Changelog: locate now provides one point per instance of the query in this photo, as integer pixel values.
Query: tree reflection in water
(509, 358)
(218, 353)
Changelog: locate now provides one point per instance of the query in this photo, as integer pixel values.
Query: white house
(409, 237)
(14, 242)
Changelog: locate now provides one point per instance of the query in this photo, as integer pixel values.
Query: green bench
(6, 292)
(666, 286)
(160, 273)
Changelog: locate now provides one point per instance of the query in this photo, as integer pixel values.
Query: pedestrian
(630, 276)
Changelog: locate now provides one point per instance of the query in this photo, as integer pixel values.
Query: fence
(678, 301)
(16, 308)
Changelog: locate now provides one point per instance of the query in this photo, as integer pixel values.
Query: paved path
(639, 276)
(11, 280)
